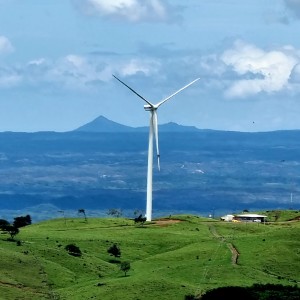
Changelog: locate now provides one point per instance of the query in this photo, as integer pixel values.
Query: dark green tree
(114, 212)
(3, 224)
(114, 250)
(125, 267)
(140, 219)
(73, 250)
(82, 211)
(12, 230)
(22, 221)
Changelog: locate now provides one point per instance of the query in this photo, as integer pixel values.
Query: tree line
(13, 228)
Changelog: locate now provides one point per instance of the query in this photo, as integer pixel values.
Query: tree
(114, 250)
(73, 250)
(140, 219)
(114, 212)
(125, 267)
(22, 221)
(3, 224)
(82, 211)
(12, 230)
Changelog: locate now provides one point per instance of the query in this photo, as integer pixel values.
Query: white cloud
(131, 10)
(133, 66)
(270, 70)
(75, 72)
(9, 78)
(5, 45)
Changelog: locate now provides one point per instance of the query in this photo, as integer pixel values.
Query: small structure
(250, 218)
(227, 218)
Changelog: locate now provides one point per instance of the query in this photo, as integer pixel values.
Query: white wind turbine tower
(153, 130)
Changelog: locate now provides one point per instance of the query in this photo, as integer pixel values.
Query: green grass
(167, 261)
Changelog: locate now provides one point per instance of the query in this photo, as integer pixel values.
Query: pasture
(170, 258)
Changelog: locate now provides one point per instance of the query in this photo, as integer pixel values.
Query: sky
(57, 58)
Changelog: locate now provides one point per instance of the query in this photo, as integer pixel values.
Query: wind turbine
(153, 131)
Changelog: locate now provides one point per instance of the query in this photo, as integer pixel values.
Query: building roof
(251, 216)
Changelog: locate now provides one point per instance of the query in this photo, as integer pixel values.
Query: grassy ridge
(168, 260)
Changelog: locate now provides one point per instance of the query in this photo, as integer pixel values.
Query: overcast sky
(57, 58)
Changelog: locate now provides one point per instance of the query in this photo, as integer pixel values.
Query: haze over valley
(103, 165)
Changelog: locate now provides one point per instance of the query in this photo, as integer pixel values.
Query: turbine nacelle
(148, 107)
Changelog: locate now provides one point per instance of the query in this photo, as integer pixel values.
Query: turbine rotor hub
(148, 107)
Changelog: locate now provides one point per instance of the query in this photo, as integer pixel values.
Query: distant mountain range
(103, 165)
(102, 124)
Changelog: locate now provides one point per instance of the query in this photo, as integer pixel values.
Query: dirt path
(234, 253)
(166, 222)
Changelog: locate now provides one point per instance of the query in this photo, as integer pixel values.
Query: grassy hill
(169, 258)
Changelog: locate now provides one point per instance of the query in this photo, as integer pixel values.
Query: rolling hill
(169, 258)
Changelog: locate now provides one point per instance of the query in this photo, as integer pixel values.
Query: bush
(73, 250)
(125, 267)
(114, 250)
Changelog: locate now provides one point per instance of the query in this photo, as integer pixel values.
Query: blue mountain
(102, 124)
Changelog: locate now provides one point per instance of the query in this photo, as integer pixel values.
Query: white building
(250, 218)
(227, 218)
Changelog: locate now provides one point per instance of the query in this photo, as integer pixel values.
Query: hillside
(168, 259)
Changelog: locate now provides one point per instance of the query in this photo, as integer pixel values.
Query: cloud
(132, 10)
(258, 70)
(75, 72)
(5, 45)
(78, 72)
(241, 70)
(147, 67)
(9, 78)
(294, 7)
(285, 13)
(295, 74)
(72, 72)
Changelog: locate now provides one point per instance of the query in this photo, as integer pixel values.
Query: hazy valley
(103, 165)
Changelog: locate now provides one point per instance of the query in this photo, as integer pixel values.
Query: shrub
(125, 267)
(114, 250)
(73, 250)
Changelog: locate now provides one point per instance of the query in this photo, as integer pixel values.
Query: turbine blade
(164, 100)
(155, 130)
(133, 91)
